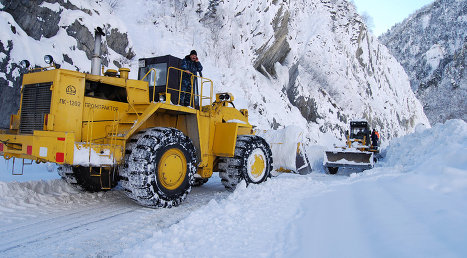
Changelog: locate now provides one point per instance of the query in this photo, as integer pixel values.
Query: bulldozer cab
(360, 130)
(156, 71)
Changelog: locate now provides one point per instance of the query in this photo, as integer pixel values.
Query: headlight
(48, 59)
(224, 97)
(24, 64)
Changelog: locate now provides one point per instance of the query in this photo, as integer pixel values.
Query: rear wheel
(159, 167)
(252, 162)
(91, 180)
(333, 170)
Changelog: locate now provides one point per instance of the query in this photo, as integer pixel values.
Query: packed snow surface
(412, 204)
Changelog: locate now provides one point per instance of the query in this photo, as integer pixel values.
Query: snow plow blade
(288, 153)
(357, 159)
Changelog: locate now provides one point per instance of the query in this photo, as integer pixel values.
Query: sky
(386, 13)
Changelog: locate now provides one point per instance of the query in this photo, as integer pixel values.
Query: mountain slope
(309, 63)
(432, 47)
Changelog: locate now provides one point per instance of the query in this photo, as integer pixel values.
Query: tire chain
(230, 169)
(137, 182)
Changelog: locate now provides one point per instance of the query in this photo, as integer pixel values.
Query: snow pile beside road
(16, 196)
(439, 153)
(23, 192)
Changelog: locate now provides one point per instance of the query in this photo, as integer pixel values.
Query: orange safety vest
(377, 134)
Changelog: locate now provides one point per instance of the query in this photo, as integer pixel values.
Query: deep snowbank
(439, 154)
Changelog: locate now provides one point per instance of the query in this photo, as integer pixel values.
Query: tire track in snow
(95, 226)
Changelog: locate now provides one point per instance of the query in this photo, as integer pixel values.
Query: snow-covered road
(52, 218)
(413, 204)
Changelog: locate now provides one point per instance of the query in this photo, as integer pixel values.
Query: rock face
(277, 48)
(431, 45)
(311, 63)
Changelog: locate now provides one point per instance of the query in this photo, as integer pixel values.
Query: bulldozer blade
(288, 153)
(302, 163)
(358, 159)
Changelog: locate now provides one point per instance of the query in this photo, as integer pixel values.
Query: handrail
(155, 75)
(192, 79)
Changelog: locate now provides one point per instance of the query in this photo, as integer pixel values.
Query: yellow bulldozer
(105, 129)
(358, 152)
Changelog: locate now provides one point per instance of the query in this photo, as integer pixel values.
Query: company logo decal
(71, 90)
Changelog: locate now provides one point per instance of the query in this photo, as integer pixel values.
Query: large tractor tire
(252, 162)
(88, 180)
(159, 167)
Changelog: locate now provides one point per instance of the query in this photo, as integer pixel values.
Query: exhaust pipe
(96, 57)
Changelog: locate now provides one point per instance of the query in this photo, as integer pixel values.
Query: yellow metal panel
(39, 77)
(224, 139)
(68, 101)
(16, 145)
(244, 130)
(116, 81)
(50, 122)
(46, 145)
(206, 139)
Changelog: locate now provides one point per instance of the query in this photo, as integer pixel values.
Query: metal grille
(34, 107)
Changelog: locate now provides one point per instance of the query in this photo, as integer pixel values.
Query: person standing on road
(374, 138)
(192, 66)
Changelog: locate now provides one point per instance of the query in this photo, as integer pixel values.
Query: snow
(412, 204)
(85, 155)
(426, 21)
(283, 145)
(54, 7)
(235, 121)
(434, 56)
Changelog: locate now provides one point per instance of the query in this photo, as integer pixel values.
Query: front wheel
(159, 167)
(252, 162)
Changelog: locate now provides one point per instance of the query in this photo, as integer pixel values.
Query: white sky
(386, 13)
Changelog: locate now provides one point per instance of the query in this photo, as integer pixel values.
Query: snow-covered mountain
(431, 45)
(309, 63)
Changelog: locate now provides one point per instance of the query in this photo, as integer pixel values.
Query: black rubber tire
(80, 177)
(235, 169)
(333, 170)
(200, 181)
(139, 172)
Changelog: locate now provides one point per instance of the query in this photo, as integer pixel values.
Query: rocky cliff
(309, 63)
(432, 47)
